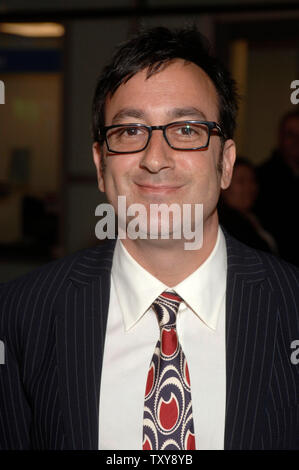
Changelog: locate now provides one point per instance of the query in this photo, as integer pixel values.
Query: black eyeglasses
(179, 135)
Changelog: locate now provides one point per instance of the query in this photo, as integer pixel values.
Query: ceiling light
(33, 29)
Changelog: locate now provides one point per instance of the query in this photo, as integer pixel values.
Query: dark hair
(155, 48)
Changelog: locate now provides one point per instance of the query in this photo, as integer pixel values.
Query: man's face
(289, 142)
(160, 174)
(243, 190)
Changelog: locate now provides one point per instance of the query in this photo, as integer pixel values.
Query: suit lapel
(80, 333)
(81, 327)
(251, 322)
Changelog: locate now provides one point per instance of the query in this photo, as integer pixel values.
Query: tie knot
(166, 307)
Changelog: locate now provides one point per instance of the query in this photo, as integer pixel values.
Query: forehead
(177, 85)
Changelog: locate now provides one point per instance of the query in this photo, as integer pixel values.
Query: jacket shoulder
(31, 297)
(100, 256)
(278, 271)
(277, 276)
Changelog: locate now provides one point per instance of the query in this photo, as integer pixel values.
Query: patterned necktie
(168, 420)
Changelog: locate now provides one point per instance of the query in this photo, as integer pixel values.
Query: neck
(167, 260)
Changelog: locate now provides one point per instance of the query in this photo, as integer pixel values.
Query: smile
(149, 188)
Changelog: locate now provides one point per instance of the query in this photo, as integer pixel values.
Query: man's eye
(131, 131)
(187, 130)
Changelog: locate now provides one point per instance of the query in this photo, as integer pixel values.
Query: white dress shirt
(131, 336)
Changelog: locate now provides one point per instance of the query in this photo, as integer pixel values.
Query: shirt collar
(202, 291)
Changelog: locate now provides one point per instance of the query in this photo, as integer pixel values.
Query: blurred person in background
(237, 208)
(277, 204)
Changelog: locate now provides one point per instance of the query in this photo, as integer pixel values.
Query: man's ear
(228, 160)
(98, 158)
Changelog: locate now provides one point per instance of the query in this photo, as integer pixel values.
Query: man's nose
(158, 154)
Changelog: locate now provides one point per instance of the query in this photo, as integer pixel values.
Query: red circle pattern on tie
(168, 421)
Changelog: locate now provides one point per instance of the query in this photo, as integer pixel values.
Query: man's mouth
(157, 188)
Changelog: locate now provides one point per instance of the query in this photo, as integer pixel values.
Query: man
(142, 343)
(236, 208)
(276, 208)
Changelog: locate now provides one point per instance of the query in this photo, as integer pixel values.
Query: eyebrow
(128, 112)
(174, 113)
(189, 111)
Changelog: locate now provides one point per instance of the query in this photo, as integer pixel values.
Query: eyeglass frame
(210, 125)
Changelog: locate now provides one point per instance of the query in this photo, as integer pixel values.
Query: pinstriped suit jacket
(53, 322)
